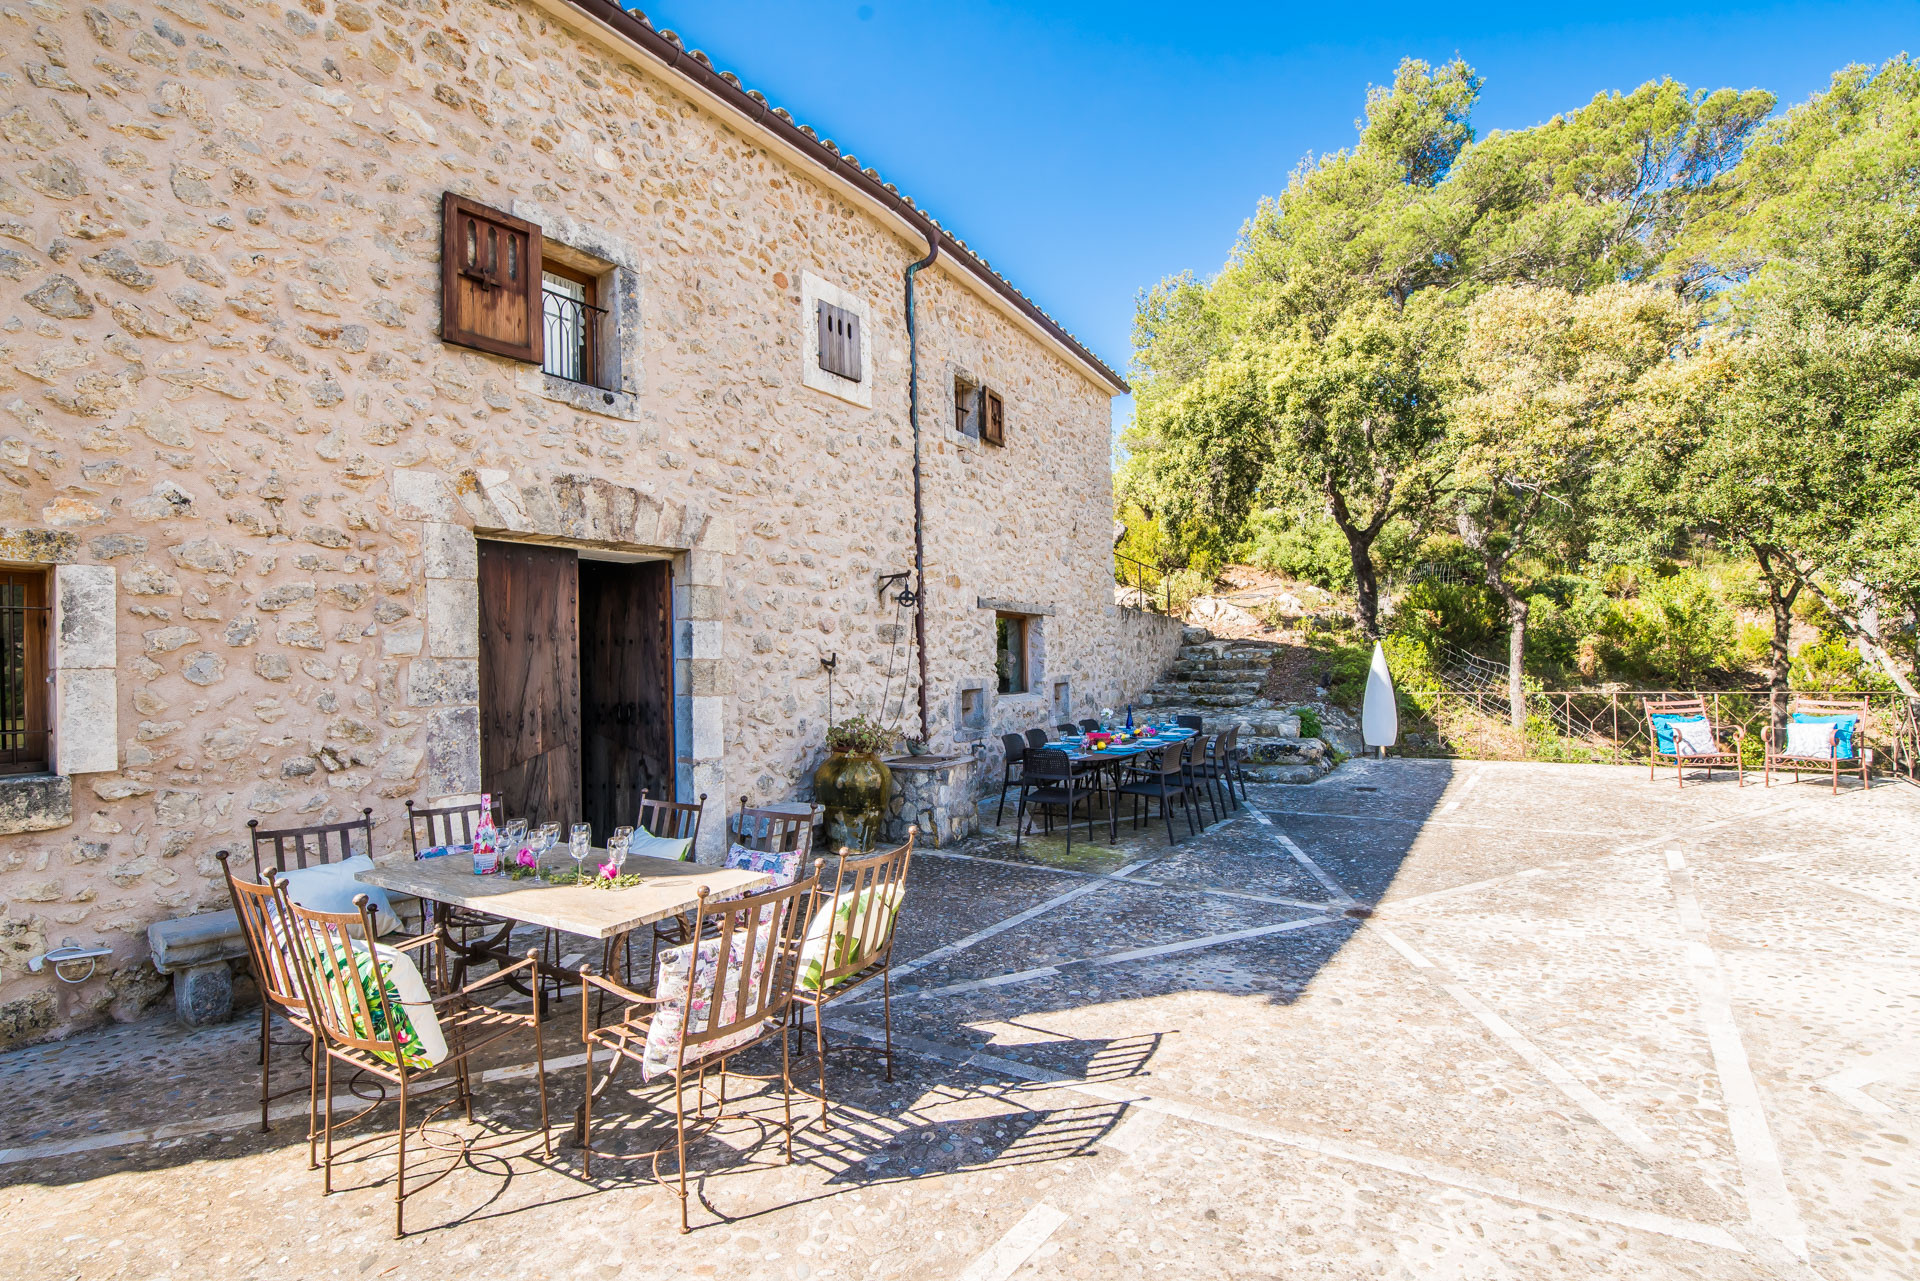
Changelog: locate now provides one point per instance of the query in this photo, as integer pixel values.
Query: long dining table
(1114, 757)
(668, 887)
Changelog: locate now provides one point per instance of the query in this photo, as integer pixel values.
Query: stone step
(1198, 667)
(1221, 684)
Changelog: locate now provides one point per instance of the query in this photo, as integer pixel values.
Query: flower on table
(528, 859)
(609, 872)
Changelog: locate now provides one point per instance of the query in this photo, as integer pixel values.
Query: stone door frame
(450, 514)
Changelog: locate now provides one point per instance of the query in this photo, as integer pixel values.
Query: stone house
(409, 399)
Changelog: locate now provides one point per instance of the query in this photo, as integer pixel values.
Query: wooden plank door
(530, 680)
(626, 681)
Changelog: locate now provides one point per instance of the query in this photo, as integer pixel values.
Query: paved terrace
(1419, 1019)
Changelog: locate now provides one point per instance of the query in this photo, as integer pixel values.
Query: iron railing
(1152, 584)
(1610, 726)
(572, 337)
(25, 740)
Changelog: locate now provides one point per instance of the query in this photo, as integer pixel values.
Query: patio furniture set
(1819, 735)
(405, 984)
(1087, 766)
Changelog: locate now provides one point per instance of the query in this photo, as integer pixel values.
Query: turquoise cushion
(1843, 723)
(1663, 723)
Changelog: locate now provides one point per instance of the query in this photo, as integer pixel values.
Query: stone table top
(670, 887)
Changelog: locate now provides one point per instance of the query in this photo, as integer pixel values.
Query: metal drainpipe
(919, 513)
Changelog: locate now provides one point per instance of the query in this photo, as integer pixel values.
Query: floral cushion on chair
(782, 865)
(416, 1026)
(836, 919)
(680, 973)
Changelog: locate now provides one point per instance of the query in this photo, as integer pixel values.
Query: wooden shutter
(839, 341)
(993, 419)
(490, 280)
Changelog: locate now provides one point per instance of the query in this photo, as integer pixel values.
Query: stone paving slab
(1556, 1050)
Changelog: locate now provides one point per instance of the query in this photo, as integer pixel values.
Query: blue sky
(1087, 150)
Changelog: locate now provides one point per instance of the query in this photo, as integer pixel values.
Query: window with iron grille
(573, 324)
(23, 672)
(839, 341)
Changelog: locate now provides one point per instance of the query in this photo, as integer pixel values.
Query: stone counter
(937, 793)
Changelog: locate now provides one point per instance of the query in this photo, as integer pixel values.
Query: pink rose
(527, 858)
(609, 871)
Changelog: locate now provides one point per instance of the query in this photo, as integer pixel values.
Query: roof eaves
(666, 47)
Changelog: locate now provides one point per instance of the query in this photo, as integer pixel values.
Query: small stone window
(973, 708)
(1062, 701)
(1011, 644)
(837, 342)
(966, 406)
(24, 724)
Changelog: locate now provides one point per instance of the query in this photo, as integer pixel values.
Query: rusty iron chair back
(1688, 706)
(765, 930)
(298, 847)
(874, 886)
(449, 825)
(257, 907)
(774, 831)
(362, 1033)
(674, 820)
(1860, 709)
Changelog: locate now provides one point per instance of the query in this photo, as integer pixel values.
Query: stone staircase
(1220, 682)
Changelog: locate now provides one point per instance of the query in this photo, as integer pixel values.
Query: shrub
(1830, 664)
(1310, 547)
(1309, 722)
(1675, 631)
(1464, 614)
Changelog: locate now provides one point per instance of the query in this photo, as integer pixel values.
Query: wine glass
(617, 847)
(544, 840)
(580, 846)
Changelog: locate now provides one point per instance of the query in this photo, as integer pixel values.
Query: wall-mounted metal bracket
(67, 955)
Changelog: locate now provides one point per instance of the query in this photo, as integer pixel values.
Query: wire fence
(1610, 726)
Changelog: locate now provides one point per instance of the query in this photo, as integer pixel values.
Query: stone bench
(196, 951)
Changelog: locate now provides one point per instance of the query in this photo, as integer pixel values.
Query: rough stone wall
(220, 373)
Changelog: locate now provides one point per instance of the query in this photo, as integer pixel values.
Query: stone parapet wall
(223, 394)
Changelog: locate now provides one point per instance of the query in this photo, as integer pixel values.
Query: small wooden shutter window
(839, 341)
(490, 277)
(993, 419)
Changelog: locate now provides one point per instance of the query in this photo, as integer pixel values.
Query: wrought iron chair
(849, 942)
(1163, 778)
(1689, 709)
(1048, 782)
(382, 1034)
(1014, 748)
(755, 831)
(281, 992)
(740, 970)
(307, 846)
(1823, 709)
(675, 820)
(474, 936)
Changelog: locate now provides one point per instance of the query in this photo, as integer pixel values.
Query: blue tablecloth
(1121, 751)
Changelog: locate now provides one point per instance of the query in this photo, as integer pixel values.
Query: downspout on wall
(919, 511)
